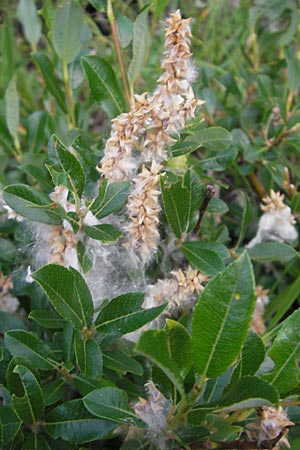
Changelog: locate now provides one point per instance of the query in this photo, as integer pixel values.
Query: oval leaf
(28, 345)
(285, 353)
(9, 424)
(88, 357)
(105, 233)
(67, 292)
(66, 29)
(64, 167)
(112, 404)
(140, 45)
(203, 259)
(30, 407)
(248, 392)
(222, 317)
(27, 14)
(52, 84)
(123, 314)
(180, 344)
(72, 422)
(32, 204)
(155, 345)
(176, 201)
(272, 251)
(111, 198)
(214, 138)
(103, 84)
(12, 103)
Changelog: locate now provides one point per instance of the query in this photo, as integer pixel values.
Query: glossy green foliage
(133, 313)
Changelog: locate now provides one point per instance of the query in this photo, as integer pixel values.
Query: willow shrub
(143, 303)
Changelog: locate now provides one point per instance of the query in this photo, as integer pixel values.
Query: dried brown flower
(179, 291)
(8, 303)
(272, 423)
(153, 119)
(144, 208)
(62, 243)
(258, 324)
(273, 202)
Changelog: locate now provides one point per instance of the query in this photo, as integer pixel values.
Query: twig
(209, 193)
(112, 21)
(257, 186)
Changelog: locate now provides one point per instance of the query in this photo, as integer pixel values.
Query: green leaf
(9, 321)
(51, 81)
(222, 317)
(176, 201)
(64, 167)
(66, 28)
(72, 422)
(85, 384)
(67, 292)
(180, 345)
(6, 140)
(216, 247)
(33, 204)
(197, 415)
(246, 218)
(67, 341)
(85, 263)
(9, 425)
(53, 391)
(220, 161)
(30, 407)
(189, 433)
(253, 354)
(283, 302)
(272, 251)
(213, 138)
(159, 7)
(111, 404)
(27, 15)
(285, 353)
(12, 103)
(217, 206)
(155, 345)
(105, 233)
(7, 250)
(37, 442)
(183, 147)
(121, 363)
(103, 84)
(47, 318)
(123, 314)
(195, 187)
(138, 444)
(293, 69)
(140, 45)
(248, 392)
(88, 357)
(125, 30)
(203, 259)
(28, 345)
(111, 198)
(36, 131)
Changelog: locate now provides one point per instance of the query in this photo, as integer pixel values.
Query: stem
(18, 152)
(209, 193)
(112, 21)
(256, 184)
(68, 94)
